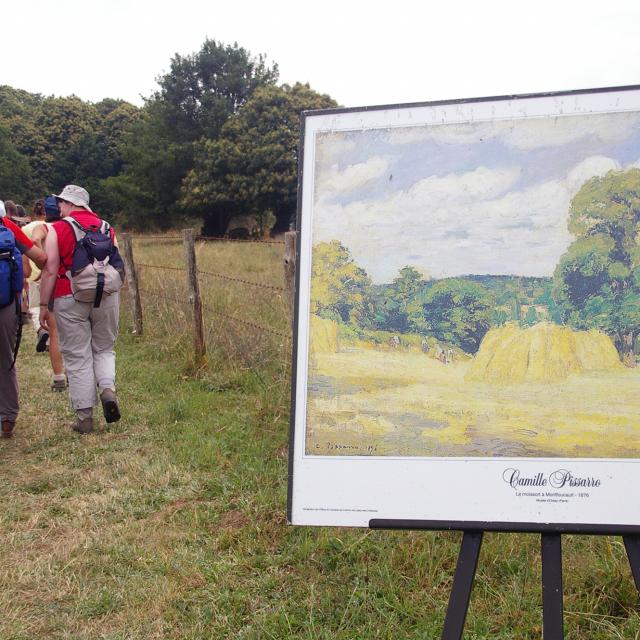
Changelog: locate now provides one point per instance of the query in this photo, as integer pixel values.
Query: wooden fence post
(290, 238)
(132, 283)
(194, 296)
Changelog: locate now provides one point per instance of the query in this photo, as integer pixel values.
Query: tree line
(595, 285)
(217, 139)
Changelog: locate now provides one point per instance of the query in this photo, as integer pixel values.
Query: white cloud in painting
(588, 168)
(355, 176)
(454, 189)
(332, 146)
(524, 133)
(469, 223)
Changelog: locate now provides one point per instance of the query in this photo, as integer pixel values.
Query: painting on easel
(468, 313)
(474, 289)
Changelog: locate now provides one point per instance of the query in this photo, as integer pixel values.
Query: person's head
(38, 209)
(51, 209)
(11, 208)
(73, 198)
(17, 213)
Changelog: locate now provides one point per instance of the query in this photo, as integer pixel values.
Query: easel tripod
(552, 607)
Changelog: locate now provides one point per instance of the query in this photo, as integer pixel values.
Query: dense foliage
(340, 286)
(218, 139)
(252, 167)
(597, 281)
(47, 142)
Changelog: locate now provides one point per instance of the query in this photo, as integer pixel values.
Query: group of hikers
(61, 270)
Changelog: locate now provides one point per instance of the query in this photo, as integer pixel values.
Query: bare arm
(50, 272)
(39, 235)
(26, 267)
(37, 255)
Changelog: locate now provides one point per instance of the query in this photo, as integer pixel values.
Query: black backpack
(97, 269)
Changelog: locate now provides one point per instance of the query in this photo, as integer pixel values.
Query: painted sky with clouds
(456, 199)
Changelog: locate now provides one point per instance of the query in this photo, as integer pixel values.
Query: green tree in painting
(531, 317)
(400, 306)
(458, 312)
(339, 287)
(597, 281)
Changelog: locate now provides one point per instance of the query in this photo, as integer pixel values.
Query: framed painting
(467, 315)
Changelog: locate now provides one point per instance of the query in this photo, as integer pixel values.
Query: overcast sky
(359, 52)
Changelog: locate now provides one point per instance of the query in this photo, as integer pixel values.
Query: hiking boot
(43, 337)
(7, 428)
(59, 385)
(83, 425)
(110, 405)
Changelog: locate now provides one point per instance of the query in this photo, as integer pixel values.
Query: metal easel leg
(552, 610)
(632, 545)
(462, 585)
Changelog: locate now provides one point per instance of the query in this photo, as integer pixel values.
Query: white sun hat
(75, 195)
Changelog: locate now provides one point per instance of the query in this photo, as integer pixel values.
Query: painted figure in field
(507, 251)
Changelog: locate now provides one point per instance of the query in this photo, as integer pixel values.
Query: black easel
(552, 608)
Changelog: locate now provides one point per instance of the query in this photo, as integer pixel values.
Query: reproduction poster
(468, 313)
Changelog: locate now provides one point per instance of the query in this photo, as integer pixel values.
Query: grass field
(404, 403)
(171, 523)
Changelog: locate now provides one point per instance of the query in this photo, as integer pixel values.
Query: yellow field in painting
(369, 402)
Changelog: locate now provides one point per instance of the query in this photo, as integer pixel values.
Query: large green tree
(15, 172)
(65, 140)
(201, 91)
(597, 281)
(195, 98)
(458, 312)
(252, 168)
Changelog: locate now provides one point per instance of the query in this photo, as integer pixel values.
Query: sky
(359, 52)
(487, 197)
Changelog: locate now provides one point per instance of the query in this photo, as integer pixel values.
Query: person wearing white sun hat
(87, 329)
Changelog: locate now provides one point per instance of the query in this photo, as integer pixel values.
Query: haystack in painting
(324, 335)
(545, 352)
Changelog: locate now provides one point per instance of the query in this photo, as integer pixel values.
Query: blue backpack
(11, 274)
(11, 279)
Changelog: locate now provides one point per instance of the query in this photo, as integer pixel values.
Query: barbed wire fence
(201, 290)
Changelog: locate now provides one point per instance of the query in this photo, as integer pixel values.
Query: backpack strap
(78, 230)
(18, 332)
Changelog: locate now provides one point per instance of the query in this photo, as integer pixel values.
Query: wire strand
(246, 322)
(238, 241)
(260, 285)
(157, 266)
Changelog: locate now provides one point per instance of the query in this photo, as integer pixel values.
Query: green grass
(171, 523)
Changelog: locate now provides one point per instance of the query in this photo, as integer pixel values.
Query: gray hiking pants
(8, 379)
(87, 337)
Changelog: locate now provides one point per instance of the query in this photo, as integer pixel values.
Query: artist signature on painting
(356, 449)
(559, 479)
